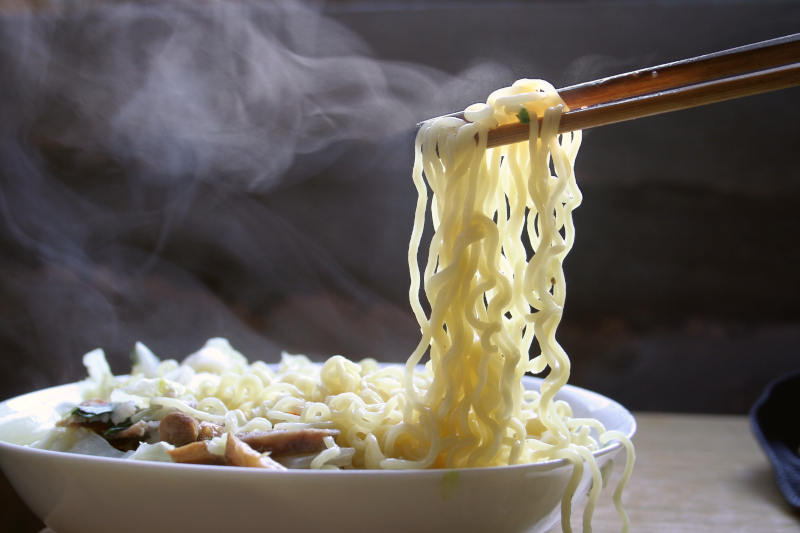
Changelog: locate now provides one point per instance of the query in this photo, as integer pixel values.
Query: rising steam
(178, 170)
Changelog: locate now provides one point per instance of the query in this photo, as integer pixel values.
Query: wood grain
(696, 473)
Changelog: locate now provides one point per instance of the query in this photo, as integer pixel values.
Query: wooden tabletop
(696, 473)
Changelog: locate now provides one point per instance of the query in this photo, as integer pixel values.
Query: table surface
(696, 473)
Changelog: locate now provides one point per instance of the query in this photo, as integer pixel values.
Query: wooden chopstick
(746, 70)
(708, 67)
(661, 102)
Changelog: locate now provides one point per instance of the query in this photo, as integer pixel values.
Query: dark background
(682, 284)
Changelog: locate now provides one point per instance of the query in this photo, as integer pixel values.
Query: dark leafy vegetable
(110, 432)
(523, 116)
(93, 410)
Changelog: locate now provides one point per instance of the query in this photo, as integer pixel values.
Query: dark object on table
(774, 420)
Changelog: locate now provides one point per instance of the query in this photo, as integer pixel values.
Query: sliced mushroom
(178, 429)
(237, 453)
(288, 441)
(208, 431)
(195, 453)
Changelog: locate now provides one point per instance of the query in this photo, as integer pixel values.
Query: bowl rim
(541, 466)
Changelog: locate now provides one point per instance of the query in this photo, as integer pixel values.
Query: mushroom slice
(178, 429)
(288, 441)
(237, 453)
(195, 453)
(208, 431)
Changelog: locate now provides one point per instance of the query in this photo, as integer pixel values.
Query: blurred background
(174, 171)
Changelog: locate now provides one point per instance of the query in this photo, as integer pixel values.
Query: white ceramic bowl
(85, 494)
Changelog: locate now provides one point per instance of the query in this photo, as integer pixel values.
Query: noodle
(494, 283)
(491, 294)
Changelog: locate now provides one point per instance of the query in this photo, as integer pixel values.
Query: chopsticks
(743, 71)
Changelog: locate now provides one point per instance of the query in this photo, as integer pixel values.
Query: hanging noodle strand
(494, 280)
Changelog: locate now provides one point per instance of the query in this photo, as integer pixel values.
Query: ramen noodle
(493, 277)
(494, 288)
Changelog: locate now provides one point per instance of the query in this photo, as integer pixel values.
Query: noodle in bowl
(87, 494)
(457, 439)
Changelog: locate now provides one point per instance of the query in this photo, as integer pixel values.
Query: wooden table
(696, 473)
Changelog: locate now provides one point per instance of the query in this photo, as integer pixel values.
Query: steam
(209, 89)
(178, 170)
